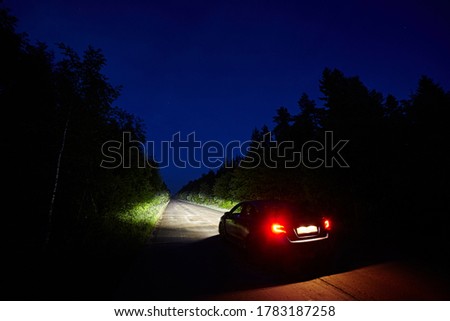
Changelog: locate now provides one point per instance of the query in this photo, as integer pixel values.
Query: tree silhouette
(282, 120)
(58, 114)
(398, 162)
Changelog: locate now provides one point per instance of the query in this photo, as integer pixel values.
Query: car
(278, 229)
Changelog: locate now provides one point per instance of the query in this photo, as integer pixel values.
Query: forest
(64, 214)
(393, 185)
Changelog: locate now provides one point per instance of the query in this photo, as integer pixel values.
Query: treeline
(396, 181)
(56, 115)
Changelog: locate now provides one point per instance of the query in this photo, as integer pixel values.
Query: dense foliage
(397, 176)
(57, 114)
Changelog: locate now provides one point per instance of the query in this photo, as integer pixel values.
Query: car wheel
(253, 249)
(221, 230)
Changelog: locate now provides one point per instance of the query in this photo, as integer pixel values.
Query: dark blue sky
(222, 68)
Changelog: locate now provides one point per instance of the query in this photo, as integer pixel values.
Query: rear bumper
(307, 240)
(305, 249)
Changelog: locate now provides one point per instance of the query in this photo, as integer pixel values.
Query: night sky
(222, 68)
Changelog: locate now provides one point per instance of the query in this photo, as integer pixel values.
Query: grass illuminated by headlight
(136, 224)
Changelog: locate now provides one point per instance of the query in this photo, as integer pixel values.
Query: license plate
(307, 229)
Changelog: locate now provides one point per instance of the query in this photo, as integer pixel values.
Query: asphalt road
(186, 260)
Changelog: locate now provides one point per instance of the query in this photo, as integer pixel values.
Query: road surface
(186, 260)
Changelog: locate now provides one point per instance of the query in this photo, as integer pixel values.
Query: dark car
(277, 228)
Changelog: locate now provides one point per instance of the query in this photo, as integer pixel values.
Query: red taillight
(278, 228)
(327, 224)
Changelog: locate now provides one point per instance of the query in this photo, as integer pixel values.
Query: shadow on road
(197, 270)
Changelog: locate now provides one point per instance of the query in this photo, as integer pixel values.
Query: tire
(253, 250)
(221, 230)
